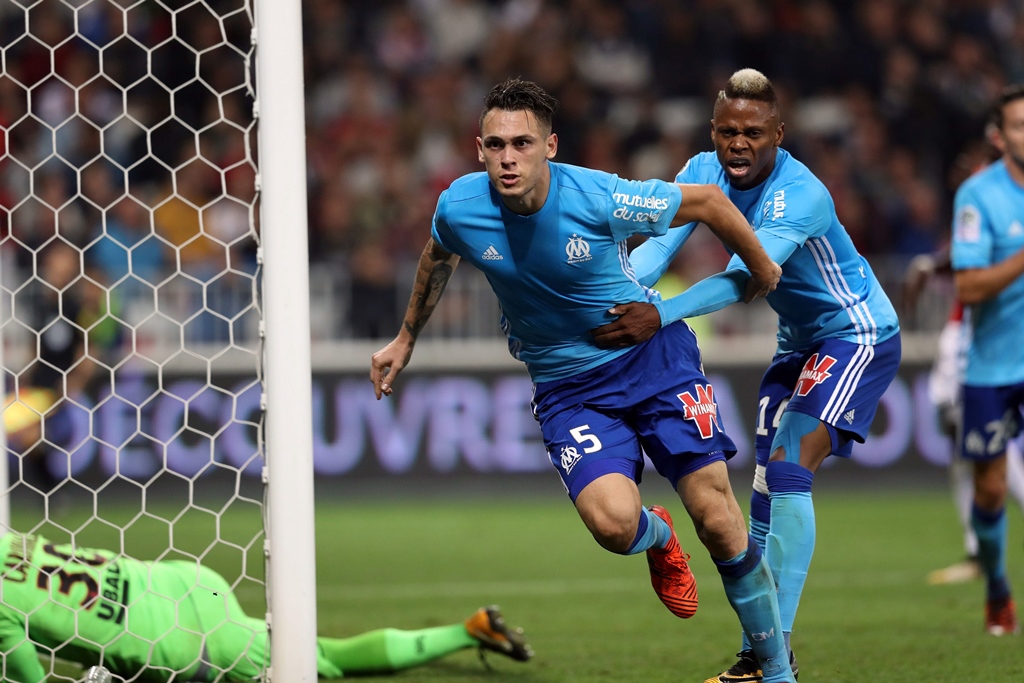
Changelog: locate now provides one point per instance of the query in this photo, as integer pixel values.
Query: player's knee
(610, 507)
(613, 530)
(990, 491)
(722, 529)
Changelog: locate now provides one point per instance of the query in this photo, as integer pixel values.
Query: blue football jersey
(827, 290)
(988, 227)
(556, 272)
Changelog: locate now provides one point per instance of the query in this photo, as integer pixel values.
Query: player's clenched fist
(763, 283)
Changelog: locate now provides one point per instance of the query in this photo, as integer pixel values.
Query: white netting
(129, 279)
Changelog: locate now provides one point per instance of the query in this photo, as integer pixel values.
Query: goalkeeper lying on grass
(179, 621)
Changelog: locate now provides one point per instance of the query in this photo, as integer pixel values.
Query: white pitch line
(541, 587)
(538, 587)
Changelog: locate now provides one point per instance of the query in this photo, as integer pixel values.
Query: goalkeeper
(179, 621)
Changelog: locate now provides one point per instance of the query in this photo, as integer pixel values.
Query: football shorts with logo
(991, 417)
(654, 399)
(835, 381)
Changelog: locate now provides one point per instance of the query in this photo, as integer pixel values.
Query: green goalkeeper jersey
(153, 621)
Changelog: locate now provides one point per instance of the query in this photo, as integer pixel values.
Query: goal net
(130, 271)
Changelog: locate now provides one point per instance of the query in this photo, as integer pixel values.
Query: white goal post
(292, 615)
(154, 296)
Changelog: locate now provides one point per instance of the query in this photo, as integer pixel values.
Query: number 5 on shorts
(581, 438)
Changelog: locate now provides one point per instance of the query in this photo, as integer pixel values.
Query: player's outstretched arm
(732, 285)
(709, 205)
(638, 322)
(432, 274)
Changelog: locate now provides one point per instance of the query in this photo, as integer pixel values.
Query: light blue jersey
(988, 227)
(556, 272)
(827, 290)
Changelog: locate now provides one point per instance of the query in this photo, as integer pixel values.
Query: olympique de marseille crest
(577, 250)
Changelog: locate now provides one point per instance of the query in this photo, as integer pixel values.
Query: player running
(838, 336)
(551, 240)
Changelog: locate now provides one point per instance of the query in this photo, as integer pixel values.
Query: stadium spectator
(838, 334)
(69, 321)
(988, 261)
(923, 74)
(178, 620)
(549, 239)
(125, 244)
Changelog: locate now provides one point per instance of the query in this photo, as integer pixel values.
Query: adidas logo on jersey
(491, 254)
(848, 416)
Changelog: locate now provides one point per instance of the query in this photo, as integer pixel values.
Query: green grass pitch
(866, 614)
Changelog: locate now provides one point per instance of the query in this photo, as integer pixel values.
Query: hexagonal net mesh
(131, 329)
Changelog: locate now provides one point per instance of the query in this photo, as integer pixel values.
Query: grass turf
(866, 614)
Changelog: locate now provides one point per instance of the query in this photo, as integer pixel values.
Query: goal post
(281, 111)
(154, 299)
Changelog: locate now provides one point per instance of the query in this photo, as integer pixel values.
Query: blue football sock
(760, 516)
(790, 543)
(651, 532)
(991, 530)
(751, 591)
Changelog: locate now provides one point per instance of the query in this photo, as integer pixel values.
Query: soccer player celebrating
(988, 260)
(551, 240)
(177, 620)
(838, 335)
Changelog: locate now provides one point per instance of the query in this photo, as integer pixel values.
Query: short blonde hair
(749, 84)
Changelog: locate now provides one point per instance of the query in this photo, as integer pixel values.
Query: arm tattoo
(431, 281)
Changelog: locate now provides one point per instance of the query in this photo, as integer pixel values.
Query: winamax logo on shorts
(814, 373)
(702, 409)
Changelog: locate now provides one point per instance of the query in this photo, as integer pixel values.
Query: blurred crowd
(885, 100)
(125, 136)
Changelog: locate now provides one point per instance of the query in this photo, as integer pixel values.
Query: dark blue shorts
(837, 382)
(654, 399)
(991, 417)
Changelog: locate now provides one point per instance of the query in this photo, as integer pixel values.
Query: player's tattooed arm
(432, 275)
(435, 269)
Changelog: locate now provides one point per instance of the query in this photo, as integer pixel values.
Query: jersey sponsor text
(638, 202)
